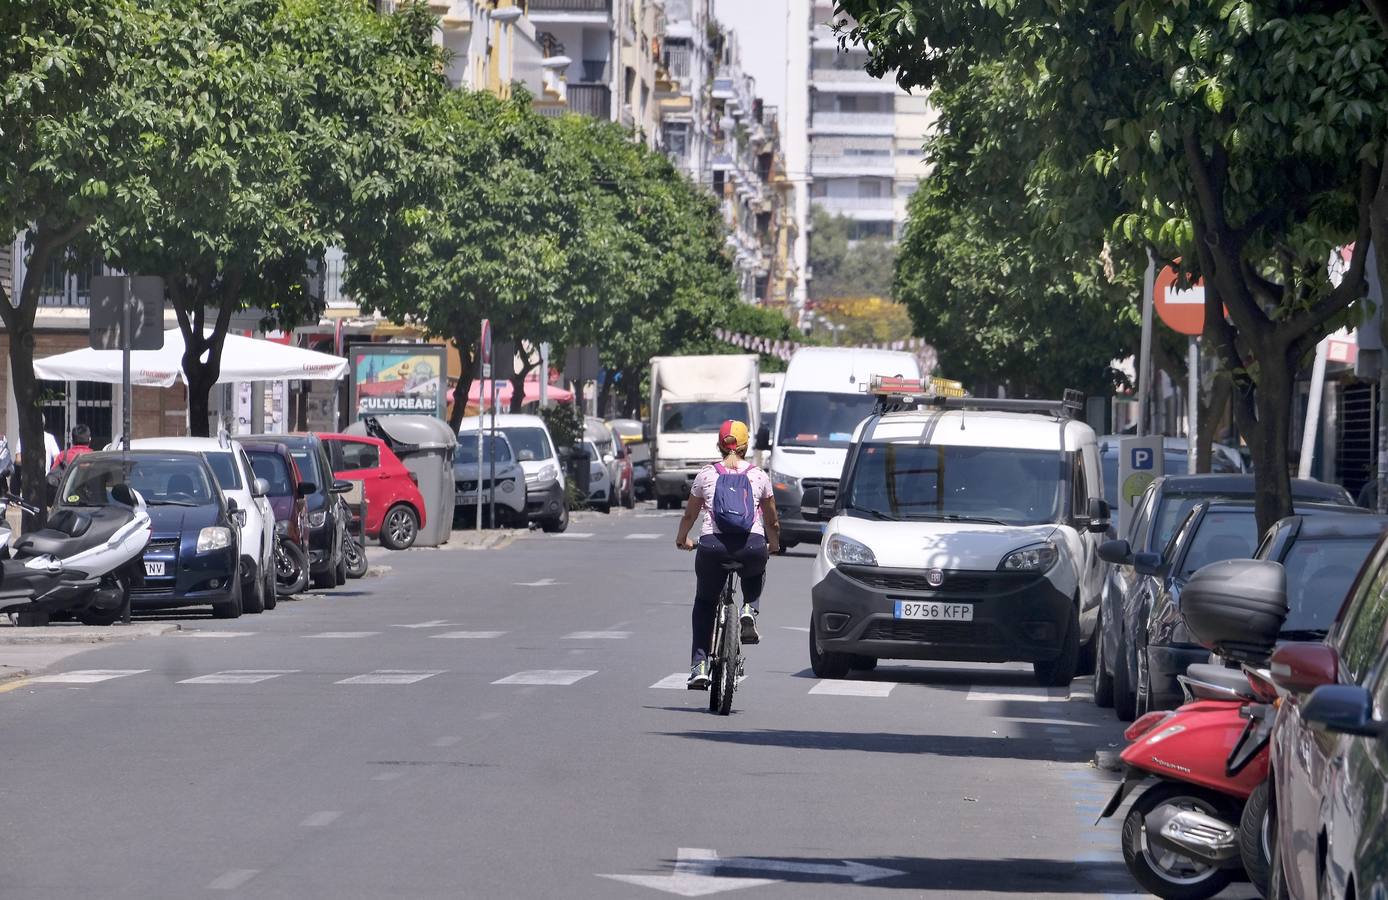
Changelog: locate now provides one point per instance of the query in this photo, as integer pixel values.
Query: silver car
(510, 482)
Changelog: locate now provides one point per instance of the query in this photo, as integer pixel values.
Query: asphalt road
(502, 723)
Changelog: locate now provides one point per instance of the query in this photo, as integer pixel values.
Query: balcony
(840, 164)
(584, 12)
(593, 100)
(865, 123)
(862, 208)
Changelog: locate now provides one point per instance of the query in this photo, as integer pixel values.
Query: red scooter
(1182, 836)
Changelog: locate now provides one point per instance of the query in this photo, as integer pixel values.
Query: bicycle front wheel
(725, 673)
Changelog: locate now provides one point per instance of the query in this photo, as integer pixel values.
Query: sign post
(1141, 461)
(484, 354)
(1183, 311)
(1144, 362)
(127, 313)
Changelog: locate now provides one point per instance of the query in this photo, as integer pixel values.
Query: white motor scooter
(83, 564)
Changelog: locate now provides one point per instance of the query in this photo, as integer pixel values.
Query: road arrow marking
(693, 876)
(854, 871)
(436, 623)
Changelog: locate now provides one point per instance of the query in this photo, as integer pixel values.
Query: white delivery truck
(823, 398)
(691, 397)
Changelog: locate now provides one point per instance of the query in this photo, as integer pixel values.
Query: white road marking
(675, 682)
(573, 534)
(239, 676)
(694, 876)
(345, 635)
(643, 537)
(320, 819)
(86, 676)
(853, 688)
(390, 676)
(220, 634)
(804, 628)
(543, 582)
(232, 880)
(597, 636)
(387, 776)
(1018, 694)
(547, 676)
(448, 741)
(469, 635)
(436, 623)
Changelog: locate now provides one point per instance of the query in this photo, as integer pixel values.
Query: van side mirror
(763, 438)
(1097, 513)
(1118, 552)
(1149, 564)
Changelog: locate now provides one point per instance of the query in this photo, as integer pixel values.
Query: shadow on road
(1024, 747)
(939, 677)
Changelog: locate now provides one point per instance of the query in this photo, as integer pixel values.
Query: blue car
(194, 548)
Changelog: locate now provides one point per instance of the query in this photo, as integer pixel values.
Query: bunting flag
(784, 349)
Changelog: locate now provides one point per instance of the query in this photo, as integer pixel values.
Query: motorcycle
(291, 566)
(1185, 837)
(83, 564)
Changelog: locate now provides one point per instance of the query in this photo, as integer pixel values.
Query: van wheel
(558, 524)
(826, 663)
(1060, 671)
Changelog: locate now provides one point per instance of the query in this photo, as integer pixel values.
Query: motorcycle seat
(71, 531)
(1221, 677)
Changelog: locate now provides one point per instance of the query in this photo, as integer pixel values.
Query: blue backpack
(734, 509)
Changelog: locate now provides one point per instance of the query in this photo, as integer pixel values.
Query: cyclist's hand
(686, 544)
(773, 546)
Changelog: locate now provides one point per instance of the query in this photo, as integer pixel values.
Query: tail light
(1146, 723)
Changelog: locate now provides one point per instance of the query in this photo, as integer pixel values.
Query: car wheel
(1103, 678)
(1258, 837)
(826, 663)
(340, 573)
(1060, 671)
(231, 609)
(1143, 703)
(399, 528)
(1124, 697)
(629, 498)
(558, 524)
(253, 597)
(272, 598)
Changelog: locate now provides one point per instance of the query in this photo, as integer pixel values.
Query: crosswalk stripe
(547, 676)
(571, 534)
(435, 623)
(239, 676)
(390, 676)
(86, 676)
(854, 688)
(220, 634)
(1018, 694)
(344, 634)
(597, 636)
(643, 537)
(468, 635)
(675, 682)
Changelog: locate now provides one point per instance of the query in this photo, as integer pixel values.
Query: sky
(761, 36)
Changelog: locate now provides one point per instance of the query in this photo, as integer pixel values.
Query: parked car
(600, 487)
(612, 454)
(468, 475)
(273, 462)
(394, 505)
(1213, 531)
(328, 516)
(193, 557)
(237, 480)
(1223, 460)
(546, 502)
(638, 451)
(1328, 784)
(1162, 508)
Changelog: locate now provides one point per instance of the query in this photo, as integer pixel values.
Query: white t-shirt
(708, 477)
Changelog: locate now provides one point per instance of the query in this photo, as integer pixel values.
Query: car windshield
(820, 418)
(1221, 535)
(273, 468)
(987, 484)
(492, 449)
(175, 481)
(700, 417)
(529, 443)
(307, 461)
(224, 469)
(1319, 574)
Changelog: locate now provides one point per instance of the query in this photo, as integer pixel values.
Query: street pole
(125, 389)
(1382, 505)
(1144, 358)
(1313, 410)
(491, 478)
(544, 375)
(1192, 403)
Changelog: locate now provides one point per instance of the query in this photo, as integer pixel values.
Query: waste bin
(425, 445)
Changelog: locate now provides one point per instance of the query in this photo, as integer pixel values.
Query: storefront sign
(399, 378)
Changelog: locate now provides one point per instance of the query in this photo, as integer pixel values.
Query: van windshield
(987, 484)
(700, 416)
(821, 418)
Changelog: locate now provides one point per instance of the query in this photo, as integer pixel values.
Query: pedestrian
(81, 443)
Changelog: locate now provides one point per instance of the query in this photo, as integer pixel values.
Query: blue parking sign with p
(1142, 458)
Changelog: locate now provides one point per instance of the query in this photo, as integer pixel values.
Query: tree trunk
(605, 393)
(518, 385)
(467, 357)
(1273, 485)
(1212, 407)
(632, 391)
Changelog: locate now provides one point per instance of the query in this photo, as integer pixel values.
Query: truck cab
(691, 398)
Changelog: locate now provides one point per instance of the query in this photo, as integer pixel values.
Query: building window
(869, 188)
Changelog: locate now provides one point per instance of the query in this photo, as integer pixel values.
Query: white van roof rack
(896, 394)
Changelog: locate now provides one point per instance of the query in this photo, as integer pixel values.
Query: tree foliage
(844, 267)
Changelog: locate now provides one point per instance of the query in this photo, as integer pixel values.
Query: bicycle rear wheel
(725, 674)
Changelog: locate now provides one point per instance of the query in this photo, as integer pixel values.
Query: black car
(1164, 505)
(328, 516)
(1212, 532)
(193, 554)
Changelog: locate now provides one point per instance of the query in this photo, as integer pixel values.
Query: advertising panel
(388, 379)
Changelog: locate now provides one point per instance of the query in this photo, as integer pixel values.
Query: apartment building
(684, 84)
(491, 44)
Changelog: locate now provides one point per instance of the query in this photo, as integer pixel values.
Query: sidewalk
(25, 651)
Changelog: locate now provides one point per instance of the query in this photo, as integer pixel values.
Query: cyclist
(715, 548)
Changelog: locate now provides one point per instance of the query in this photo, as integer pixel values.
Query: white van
(823, 398)
(964, 529)
(546, 501)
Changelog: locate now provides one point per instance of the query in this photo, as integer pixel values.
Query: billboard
(388, 379)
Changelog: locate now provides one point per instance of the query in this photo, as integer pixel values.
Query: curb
(113, 634)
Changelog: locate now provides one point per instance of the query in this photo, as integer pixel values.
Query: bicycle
(725, 660)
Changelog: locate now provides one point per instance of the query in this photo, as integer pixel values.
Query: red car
(394, 506)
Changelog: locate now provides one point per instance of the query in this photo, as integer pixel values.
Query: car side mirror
(1301, 668)
(306, 489)
(232, 505)
(260, 487)
(1118, 552)
(1342, 709)
(763, 438)
(1098, 514)
(1148, 564)
(341, 487)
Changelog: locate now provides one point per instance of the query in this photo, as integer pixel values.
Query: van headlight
(212, 538)
(841, 550)
(783, 481)
(1037, 558)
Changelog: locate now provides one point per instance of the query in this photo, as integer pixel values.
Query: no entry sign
(1182, 309)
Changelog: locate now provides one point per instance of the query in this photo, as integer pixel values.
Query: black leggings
(714, 550)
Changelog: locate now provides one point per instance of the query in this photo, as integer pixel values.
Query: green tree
(1245, 138)
(844, 267)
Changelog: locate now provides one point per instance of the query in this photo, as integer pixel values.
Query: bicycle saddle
(732, 566)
